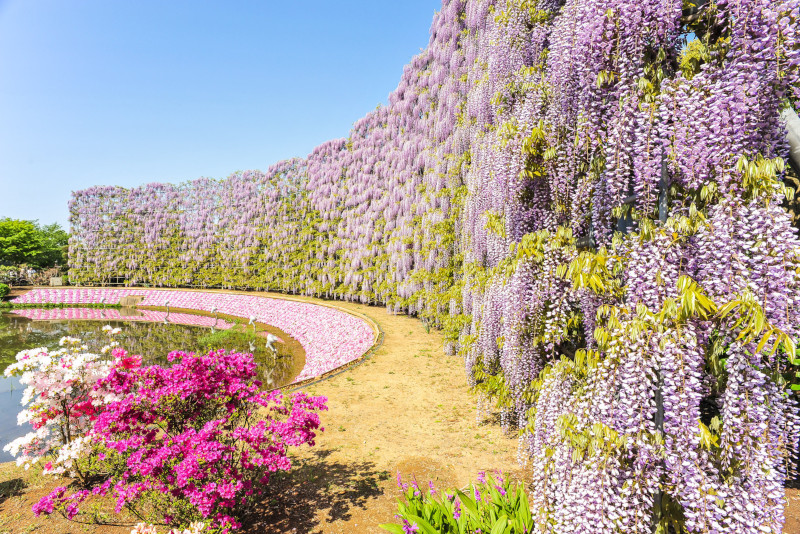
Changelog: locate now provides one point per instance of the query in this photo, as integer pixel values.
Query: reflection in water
(151, 340)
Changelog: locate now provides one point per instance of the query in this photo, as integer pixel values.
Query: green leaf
(500, 525)
(469, 504)
(391, 527)
(422, 524)
(764, 341)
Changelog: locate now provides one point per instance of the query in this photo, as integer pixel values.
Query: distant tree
(27, 242)
(19, 241)
(54, 246)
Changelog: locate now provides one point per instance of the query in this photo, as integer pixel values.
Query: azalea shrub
(493, 505)
(61, 400)
(199, 439)
(192, 444)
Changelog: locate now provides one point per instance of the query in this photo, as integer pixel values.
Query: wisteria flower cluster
(196, 441)
(587, 196)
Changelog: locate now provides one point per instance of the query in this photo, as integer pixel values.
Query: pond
(143, 332)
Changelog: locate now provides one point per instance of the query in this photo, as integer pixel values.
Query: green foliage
(4, 290)
(693, 57)
(19, 241)
(236, 337)
(492, 506)
(8, 273)
(29, 243)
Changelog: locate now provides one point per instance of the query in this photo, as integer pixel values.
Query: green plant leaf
(422, 524)
(500, 525)
(469, 504)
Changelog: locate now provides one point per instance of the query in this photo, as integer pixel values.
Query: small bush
(191, 444)
(488, 507)
(63, 404)
(4, 290)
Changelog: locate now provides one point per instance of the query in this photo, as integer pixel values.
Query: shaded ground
(405, 409)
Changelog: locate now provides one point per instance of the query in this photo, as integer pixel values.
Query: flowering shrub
(62, 402)
(488, 507)
(188, 442)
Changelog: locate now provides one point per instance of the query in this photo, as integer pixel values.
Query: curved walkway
(330, 336)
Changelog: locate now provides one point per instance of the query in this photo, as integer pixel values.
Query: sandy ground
(407, 408)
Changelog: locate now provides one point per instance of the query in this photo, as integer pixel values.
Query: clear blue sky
(127, 92)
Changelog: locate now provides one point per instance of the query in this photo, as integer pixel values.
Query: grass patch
(236, 336)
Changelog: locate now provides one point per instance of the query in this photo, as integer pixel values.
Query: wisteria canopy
(586, 196)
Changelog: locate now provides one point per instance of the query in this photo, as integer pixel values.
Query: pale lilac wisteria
(330, 337)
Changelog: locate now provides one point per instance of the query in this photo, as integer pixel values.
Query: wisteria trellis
(527, 130)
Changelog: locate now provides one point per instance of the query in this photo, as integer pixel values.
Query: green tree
(54, 246)
(19, 241)
(27, 242)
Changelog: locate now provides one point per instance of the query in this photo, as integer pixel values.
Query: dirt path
(407, 409)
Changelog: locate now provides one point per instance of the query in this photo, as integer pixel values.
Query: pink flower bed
(330, 337)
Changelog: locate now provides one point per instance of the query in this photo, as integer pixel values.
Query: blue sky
(124, 92)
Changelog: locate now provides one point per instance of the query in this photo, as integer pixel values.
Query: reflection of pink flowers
(330, 337)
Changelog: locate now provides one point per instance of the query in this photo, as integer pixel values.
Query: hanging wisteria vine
(586, 196)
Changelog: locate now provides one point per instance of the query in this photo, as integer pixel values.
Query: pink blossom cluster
(330, 337)
(200, 432)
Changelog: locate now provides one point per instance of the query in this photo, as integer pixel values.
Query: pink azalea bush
(191, 444)
(190, 437)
